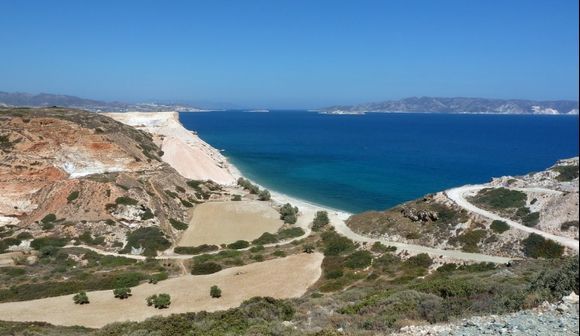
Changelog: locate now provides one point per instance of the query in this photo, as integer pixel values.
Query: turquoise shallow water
(375, 161)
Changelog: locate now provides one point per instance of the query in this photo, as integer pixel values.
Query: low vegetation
(122, 293)
(499, 226)
(320, 221)
(567, 173)
(81, 298)
(500, 198)
(205, 248)
(177, 224)
(569, 224)
(536, 246)
(205, 268)
(159, 301)
(150, 239)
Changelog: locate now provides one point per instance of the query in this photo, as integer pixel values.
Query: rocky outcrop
(419, 215)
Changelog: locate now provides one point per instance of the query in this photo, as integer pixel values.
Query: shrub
(359, 259)
(264, 195)
(159, 301)
(265, 238)
(320, 220)
(81, 298)
(205, 268)
(499, 226)
(567, 173)
(72, 196)
(186, 203)
(240, 244)
(501, 198)
(555, 283)
(149, 238)
(24, 236)
(567, 225)
(279, 253)
(257, 248)
(178, 225)
(48, 218)
(470, 240)
(288, 213)
(39, 243)
(236, 198)
(420, 260)
(147, 214)
(195, 249)
(379, 247)
(531, 219)
(122, 293)
(308, 248)
(215, 292)
(536, 246)
(246, 184)
(335, 244)
(290, 233)
(124, 200)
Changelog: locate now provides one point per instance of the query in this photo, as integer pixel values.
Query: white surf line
(456, 195)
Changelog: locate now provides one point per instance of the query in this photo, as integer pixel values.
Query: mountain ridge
(460, 105)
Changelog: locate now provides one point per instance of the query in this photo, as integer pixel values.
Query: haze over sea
(378, 160)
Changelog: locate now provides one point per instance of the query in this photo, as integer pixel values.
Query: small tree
(160, 301)
(288, 213)
(81, 298)
(215, 292)
(308, 248)
(264, 195)
(320, 220)
(122, 293)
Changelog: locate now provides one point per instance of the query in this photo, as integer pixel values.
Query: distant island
(459, 105)
(12, 99)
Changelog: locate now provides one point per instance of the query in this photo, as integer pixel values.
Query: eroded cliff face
(88, 173)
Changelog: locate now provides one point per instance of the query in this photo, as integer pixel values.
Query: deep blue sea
(377, 160)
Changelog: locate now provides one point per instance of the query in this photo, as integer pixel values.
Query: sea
(375, 161)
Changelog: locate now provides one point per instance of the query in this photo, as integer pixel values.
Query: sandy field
(183, 150)
(188, 294)
(225, 222)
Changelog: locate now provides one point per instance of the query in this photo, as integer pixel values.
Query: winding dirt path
(457, 196)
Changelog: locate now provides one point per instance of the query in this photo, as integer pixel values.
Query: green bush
(421, 260)
(553, 284)
(499, 226)
(24, 235)
(236, 198)
(531, 219)
(567, 225)
(501, 198)
(264, 195)
(122, 293)
(147, 214)
(335, 244)
(379, 247)
(81, 298)
(265, 238)
(359, 259)
(536, 246)
(215, 292)
(72, 196)
(290, 233)
(288, 213)
(39, 243)
(320, 220)
(238, 245)
(279, 253)
(150, 238)
(205, 268)
(246, 184)
(178, 225)
(470, 240)
(308, 248)
(159, 301)
(567, 173)
(48, 218)
(124, 200)
(195, 249)
(186, 203)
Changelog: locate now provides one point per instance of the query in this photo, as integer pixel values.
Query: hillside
(21, 99)
(545, 203)
(461, 105)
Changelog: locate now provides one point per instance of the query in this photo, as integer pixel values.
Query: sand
(280, 278)
(183, 150)
(225, 222)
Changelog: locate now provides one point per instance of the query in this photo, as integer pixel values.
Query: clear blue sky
(290, 53)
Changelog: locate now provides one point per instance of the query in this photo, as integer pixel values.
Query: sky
(290, 53)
